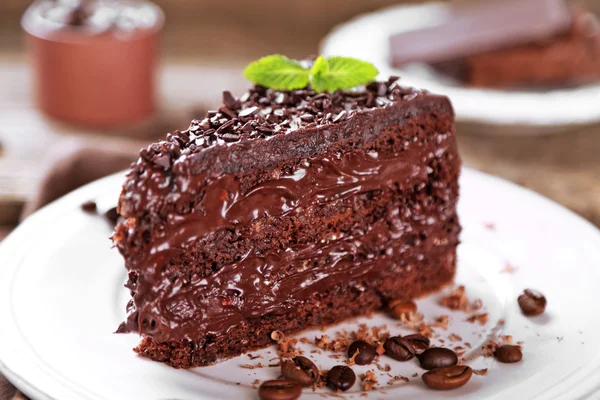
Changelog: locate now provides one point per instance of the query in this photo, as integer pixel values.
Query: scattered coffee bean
(279, 390)
(398, 308)
(508, 354)
(419, 342)
(532, 302)
(366, 352)
(300, 370)
(447, 378)
(112, 216)
(89, 207)
(341, 377)
(399, 348)
(437, 357)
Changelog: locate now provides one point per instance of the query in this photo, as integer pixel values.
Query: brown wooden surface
(206, 44)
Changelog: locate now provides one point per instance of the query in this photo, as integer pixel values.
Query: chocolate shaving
(481, 318)
(457, 300)
(369, 380)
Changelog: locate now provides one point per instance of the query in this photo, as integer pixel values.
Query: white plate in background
(516, 112)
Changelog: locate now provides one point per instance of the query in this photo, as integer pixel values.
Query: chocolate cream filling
(168, 308)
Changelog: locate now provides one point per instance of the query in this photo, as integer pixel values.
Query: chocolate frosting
(209, 305)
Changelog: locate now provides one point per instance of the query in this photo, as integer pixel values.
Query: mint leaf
(341, 73)
(326, 75)
(320, 67)
(277, 72)
(318, 71)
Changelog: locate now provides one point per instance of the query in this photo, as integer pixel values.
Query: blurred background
(50, 145)
(204, 45)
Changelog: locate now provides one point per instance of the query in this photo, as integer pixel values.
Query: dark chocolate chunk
(229, 101)
(481, 27)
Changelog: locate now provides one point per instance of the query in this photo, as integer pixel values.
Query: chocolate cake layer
(218, 236)
(420, 276)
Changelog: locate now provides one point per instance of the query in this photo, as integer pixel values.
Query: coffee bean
(437, 357)
(366, 352)
(508, 354)
(532, 302)
(279, 390)
(341, 377)
(447, 378)
(419, 342)
(300, 370)
(89, 207)
(399, 348)
(398, 308)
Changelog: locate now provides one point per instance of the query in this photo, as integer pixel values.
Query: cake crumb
(379, 349)
(481, 318)
(352, 360)
(507, 339)
(250, 366)
(369, 380)
(453, 337)
(383, 368)
(489, 348)
(441, 322)
(509, 269)
(397, 379)
(490, 226)
(277, 336)
(457, 300)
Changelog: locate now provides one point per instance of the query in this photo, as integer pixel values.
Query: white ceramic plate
(530, 112)
(61, 297)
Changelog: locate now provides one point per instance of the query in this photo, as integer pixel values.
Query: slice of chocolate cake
(285, 210)
(507, 44)
(569, 58)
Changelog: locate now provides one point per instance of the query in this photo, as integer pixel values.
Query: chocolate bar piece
(482, 27)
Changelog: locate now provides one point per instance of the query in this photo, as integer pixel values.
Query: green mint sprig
(325, 75)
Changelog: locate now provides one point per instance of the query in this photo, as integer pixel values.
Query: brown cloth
(70, 164)
(75, 162)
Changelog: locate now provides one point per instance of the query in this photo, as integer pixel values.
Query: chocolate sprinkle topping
(262, 112)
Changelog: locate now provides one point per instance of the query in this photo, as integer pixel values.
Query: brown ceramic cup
(99, 73)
